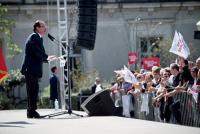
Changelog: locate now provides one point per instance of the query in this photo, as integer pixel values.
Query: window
(149, 46)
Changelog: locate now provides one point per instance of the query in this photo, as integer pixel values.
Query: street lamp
(133, 34)
(137, 19)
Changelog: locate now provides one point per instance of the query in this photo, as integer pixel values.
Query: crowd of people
(163, 84)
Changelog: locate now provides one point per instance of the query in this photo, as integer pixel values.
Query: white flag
(128, 76)
(186, 50)
(179, 47)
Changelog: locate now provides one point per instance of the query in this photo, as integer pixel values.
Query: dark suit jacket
(54, 87)
(34, 56)
(93, 88)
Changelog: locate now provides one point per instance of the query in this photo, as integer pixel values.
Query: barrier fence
(189, 109)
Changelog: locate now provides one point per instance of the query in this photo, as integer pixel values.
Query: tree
(5, 30)
(166, 58)
(14, 78)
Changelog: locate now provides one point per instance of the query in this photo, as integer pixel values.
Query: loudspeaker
(197, 35)
(99, 104)
(87, 23)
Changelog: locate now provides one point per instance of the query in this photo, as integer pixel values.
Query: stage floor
(15, 122)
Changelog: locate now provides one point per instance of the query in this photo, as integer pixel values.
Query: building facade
(123, 26)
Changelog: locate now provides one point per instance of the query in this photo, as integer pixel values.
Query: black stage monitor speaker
(87, 23)
(99, 104)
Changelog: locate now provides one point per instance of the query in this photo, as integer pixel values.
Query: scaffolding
(63, 43)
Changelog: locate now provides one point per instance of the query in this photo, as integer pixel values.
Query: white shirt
(40, 35)
(98, 88)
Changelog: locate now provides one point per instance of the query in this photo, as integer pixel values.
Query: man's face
(181, 62)
(56, 70)
(156, 75)
(98, 81)
(42, 29)
(172, 71)
(148, 78)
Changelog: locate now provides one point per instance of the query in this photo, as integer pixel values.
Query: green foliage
(13, 50)
(44, 102)
(194, 51)
(5, 24)
(46, 92)
(44, 98)
(83, 80)
(166, 57)
(14, 79)
(7, 98)
(86, 92)
(5, 29)
(74, 102)
(5, 102)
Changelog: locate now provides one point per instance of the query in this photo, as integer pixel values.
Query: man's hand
(51, 57)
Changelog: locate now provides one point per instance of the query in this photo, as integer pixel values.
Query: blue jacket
(34, 56)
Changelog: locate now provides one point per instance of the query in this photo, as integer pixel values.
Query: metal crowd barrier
(189, 109)
(137, 108)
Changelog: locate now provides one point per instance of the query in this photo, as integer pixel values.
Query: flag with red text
(132, 58)
(179, 47)
(149, 62)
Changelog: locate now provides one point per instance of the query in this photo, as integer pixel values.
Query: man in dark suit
(97, 85)
(54, 87)
(32, 66)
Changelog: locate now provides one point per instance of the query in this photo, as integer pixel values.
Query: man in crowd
(97, 85)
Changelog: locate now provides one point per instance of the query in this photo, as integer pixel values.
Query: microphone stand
(69, 111)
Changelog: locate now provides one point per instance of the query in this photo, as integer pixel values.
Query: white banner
(179, 47)
(129, 76)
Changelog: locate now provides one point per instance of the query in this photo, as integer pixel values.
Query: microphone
(55, 41)
(51, 37)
